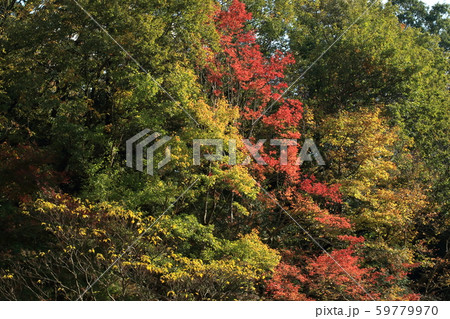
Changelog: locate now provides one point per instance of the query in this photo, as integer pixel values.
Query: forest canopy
(367, 82)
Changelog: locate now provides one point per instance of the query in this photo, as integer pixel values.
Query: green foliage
(376, 103)
(79, 240)
(435, 20)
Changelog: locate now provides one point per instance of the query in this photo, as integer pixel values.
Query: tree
(177, 259)
(375, 103)
(434, 20)
(379, 63)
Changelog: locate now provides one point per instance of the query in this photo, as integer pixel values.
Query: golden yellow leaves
(360, 147)
(100, 256)
(238, 178)
(163, 255)
(69, 248)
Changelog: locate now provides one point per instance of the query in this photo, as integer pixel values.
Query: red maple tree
(242, 75)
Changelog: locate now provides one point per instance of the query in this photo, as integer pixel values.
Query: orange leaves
(287, 283)
(240, 72)
(333, 221)
(234, 19)
(323, 278)
(288, 115)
